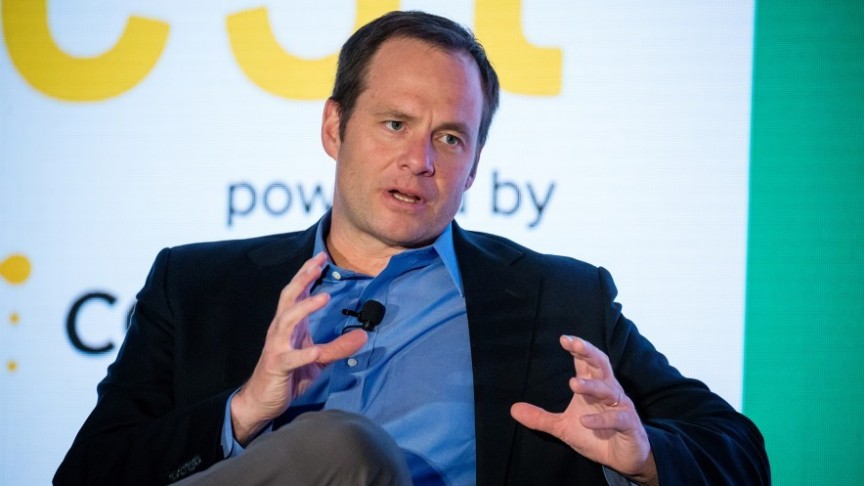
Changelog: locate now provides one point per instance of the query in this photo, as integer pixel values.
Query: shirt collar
(443, 246)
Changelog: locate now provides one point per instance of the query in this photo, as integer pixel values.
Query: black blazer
(202, 316)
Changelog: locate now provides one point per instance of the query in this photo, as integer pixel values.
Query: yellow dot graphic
(15, 269)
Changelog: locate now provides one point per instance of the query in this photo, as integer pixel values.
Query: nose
(419, 156)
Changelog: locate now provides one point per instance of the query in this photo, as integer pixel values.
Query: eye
(449, 139)
(394, 125)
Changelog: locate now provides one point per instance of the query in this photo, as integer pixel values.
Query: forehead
(409, 52)
(414, 70)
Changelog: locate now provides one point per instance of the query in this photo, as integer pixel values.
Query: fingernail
(569, 337)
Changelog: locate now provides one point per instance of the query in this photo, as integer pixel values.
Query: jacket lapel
(501, 303)
(273, 264)
(290, 251)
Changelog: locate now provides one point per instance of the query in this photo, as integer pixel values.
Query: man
(492, 364)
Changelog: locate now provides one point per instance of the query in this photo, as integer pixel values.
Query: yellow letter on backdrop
(53, 72)
(522, 68)
(282, 73)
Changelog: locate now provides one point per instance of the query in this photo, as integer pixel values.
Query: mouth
(402, 197)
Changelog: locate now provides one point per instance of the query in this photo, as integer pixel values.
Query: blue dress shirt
(414, 375)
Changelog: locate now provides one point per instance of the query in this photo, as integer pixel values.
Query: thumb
(534, 417)
(342, 347)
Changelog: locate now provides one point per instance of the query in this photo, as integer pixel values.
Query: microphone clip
(371, 314)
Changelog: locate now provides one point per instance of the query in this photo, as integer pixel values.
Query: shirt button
(337, 275)
(352, 362)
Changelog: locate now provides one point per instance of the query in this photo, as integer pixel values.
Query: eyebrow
(392, 113)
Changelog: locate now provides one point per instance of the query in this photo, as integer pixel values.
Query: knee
(356, 443)
(337, 430)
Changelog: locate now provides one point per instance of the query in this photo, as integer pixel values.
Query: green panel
(804, 343)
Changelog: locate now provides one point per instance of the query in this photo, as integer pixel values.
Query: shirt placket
(348, 377)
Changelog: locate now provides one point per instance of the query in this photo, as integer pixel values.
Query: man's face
(409, 148)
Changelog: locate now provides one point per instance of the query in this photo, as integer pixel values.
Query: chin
(410, 238)
(413, 241)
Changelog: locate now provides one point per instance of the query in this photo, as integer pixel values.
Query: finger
(535, 418)
(619, 420)
(286, 321)
(297, 358)
(587, 353)
(304, 278)
(583, 363)
(582, 349)
(300, 337)
(598, 390)
(342, 347)
(299, 285)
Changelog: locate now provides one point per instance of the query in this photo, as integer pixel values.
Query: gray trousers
(317, 448)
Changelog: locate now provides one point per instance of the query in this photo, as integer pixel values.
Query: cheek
(349, 167)
(465, 178)
(454, 188)
(347, 181)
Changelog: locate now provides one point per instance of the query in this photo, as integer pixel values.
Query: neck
(359, 252)
(354, 258)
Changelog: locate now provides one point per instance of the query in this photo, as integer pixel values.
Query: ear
(330, 129)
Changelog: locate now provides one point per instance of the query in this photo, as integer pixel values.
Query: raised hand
(289, 360)
(600, 422)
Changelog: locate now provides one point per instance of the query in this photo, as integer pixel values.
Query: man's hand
(289, 361)
(601, 422)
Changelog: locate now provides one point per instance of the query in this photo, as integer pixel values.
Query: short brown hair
(357, 52)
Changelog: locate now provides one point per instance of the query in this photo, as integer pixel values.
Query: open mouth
(406, 198)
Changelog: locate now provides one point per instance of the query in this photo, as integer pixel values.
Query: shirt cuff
(614, 478)
(230, 446)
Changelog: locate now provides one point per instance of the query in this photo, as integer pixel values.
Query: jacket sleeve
(696, 437)
(138, 433)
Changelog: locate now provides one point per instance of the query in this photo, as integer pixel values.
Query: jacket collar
(290, 249)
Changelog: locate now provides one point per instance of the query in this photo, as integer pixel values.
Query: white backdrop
(638, 162)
